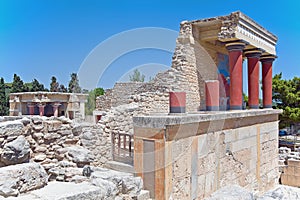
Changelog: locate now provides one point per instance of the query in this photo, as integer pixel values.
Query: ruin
(184, 135)
(48, 104)
(216, 143)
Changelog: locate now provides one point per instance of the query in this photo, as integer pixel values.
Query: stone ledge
(162, 120)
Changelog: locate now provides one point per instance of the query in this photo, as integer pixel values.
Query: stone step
(144, 195)
(118, 166)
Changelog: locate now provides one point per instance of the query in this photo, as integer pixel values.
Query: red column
(42, 109)
(236, 74)
(267, 63)
(212, 95)
(55, 109)
(177, 101)
(30, 108)
(253, 78)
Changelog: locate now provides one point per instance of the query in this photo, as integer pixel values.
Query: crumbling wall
(289, 165)
(53, 142)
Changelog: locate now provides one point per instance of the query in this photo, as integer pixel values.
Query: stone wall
(52, 142)
(244, 156)
(103, 102)
(289, 163)
(201, 153)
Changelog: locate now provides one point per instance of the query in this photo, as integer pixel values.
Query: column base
(178, 109)
(254, 106)
(212, 108)
(268, 106)
(236, 107)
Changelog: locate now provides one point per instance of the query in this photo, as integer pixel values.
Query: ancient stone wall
(201, 153)
(289, 165)
(53, 142)
(103, 102)
(244, 156)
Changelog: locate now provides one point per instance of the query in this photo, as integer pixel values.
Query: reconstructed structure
(190, 156)
(48, 104)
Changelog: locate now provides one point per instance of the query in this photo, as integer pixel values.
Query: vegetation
(91, 100)
(286, 96)
(74, 84)
(18, 85)
(54, 85)
(137, 76)
(36, 86)
(3, 99)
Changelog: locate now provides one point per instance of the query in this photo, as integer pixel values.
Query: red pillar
(267, 63)
(177, 101)
(212, 95)
(236, 74)
(42, 109)
(30, 108)
(55, 109)
(253, 78)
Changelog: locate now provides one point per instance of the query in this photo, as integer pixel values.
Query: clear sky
(44, 38)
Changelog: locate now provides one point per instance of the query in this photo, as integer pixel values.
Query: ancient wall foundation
(191, 156)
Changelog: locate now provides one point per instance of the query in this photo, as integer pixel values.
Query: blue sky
(40, 39)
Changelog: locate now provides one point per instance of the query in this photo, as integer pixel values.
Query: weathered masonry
(189, 156)
(48, 104)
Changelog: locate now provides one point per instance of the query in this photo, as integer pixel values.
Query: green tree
(286, 96)
(99, 91)
(54, 85)
(74, 84)
(18, 85)
(62, 88)
(36, 86)
(3, 98)
(137, 76)
(91, 100)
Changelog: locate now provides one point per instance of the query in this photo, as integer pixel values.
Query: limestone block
(16, 152)
(210, 183)
(268, 127)
(207, 164)
(232, 192)
(79, 155)
(11, 128)
(245, 143)
(21, 178)
(39, 157)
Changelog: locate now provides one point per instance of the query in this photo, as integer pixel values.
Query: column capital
(56, 104)
(255, 53)
(268, 58)
(30, 104)
(41, 104)
(235, 46)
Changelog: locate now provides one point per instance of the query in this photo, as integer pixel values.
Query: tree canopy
(18, 85)
(91, 100)
(137, 76)
(54, 85)
(36, 86)
(3, 99)
(286, 96)
(74, 84)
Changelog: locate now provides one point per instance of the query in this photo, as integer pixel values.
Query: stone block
(21, 178)
(292, 162)
(245, 143)
(269, 126)
(290, 180)
(210, 183)
(230, 136)
(202, 146)
(207, 164)
(201, 186)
